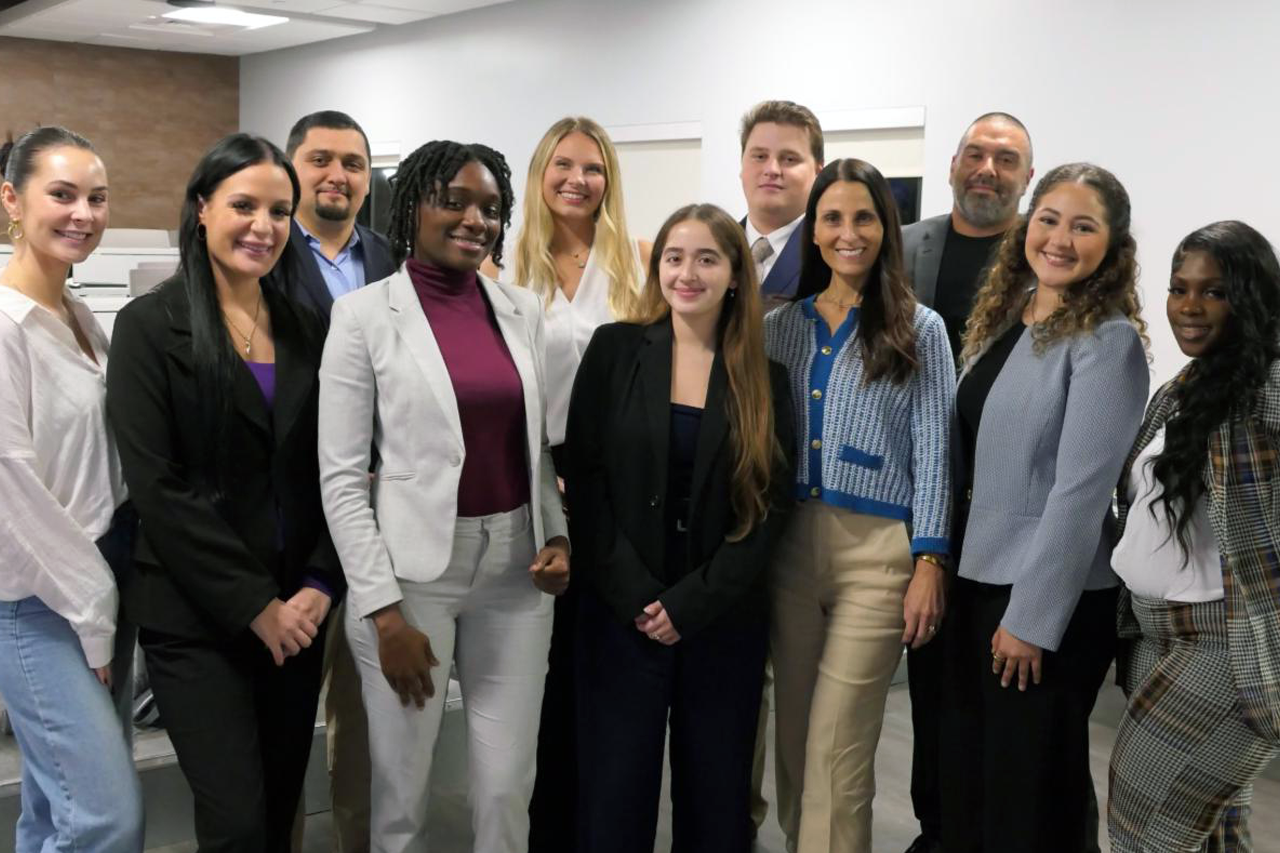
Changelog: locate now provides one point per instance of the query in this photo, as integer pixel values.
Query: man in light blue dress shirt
(332, 255)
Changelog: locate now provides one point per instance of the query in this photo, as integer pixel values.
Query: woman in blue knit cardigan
(860, 571)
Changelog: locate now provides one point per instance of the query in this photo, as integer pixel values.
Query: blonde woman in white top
(575, 253)
(67, 529)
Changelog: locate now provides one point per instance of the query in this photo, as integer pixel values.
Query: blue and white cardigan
(880, 448)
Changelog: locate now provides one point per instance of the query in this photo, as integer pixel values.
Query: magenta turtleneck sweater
(487, 386)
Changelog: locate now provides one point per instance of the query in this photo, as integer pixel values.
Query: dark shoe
(925, 844)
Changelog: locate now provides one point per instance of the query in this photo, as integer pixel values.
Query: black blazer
(307, 282)
(616, 483)
(206, 569)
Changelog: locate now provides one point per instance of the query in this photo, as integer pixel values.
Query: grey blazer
(922, 244)
(1055, 431)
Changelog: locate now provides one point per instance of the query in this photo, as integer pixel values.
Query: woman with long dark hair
(452, 543)
(212, 390)
(861, 568)
(1199, 555)
(1053, 382)
(67, 528)
(678, 484)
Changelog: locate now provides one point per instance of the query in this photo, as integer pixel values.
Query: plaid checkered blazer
(1242, 482)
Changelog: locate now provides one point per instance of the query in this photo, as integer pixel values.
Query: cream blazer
(384, 388)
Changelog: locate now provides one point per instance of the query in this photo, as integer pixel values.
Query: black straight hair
(423, 176)
(328, 119)
(214, 359)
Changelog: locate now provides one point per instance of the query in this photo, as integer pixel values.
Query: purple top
(486, 384)
(265, 375)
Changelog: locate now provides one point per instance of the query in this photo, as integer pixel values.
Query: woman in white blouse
(575, 253)
(68, 531)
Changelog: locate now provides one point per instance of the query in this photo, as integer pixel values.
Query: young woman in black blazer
(678, 484)
(212, 390)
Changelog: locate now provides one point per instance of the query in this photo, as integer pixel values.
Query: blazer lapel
(317, 292)
(654, 369)
(295, 373)
(711, 432)
(784, 275)
(928, 261)
(246, 397)
(515, 332)
(411, 325)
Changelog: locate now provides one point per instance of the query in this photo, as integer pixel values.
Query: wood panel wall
(151, 114)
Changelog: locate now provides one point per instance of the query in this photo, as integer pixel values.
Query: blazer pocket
(854, 456)
(398, 475)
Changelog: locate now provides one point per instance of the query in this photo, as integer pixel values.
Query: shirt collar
(313, 241)
(777, 238)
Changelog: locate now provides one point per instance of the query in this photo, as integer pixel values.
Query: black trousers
(925, 667)
(242, 728)
(554, 805)
(1017, 764)
(629, 688)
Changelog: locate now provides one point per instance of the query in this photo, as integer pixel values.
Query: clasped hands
(288, 627)
(655, 623)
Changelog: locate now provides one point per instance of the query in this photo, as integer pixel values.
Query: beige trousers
(838, 584)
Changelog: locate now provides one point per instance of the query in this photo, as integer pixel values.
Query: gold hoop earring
(14, 230)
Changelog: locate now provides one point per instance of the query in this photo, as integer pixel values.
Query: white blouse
(60, 478)
(569, 327)
(1148, 558)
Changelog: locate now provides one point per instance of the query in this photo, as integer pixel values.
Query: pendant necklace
(248, 339)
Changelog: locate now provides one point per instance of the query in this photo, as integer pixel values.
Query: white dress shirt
(60, 479)
(777, 238)
(569, 327)
(1148, 558)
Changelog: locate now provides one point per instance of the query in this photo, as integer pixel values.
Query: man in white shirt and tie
(782, 153)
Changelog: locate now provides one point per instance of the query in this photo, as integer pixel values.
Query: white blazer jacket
(384, 388)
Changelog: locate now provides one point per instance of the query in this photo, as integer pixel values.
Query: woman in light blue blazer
(1053, 383)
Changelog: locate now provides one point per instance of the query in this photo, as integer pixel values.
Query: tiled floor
(894, 824)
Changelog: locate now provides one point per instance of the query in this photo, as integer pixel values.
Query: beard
(333, 212)
(987, 211)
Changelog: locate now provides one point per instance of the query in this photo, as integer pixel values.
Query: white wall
(1175, 96)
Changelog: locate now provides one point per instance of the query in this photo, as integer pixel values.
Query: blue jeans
(79, 788)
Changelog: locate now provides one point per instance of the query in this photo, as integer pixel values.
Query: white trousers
(485, 615)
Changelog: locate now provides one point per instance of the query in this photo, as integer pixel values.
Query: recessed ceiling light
(227, 17)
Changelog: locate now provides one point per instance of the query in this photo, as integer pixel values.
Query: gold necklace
(581, 264)
(845, 306)
(248, 339)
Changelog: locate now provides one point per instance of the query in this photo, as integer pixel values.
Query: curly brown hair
(1112, 287)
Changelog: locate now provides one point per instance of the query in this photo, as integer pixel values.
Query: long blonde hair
(612, 246)
(1111, 288)
(750, 398)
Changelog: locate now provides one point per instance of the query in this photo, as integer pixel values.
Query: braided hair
(423, 177)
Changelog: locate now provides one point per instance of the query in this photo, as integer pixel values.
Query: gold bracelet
(930, 558)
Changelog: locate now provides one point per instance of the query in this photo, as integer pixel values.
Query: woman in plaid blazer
(1199, 611)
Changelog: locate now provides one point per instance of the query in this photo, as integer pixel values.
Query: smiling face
(459, 230)
(990, 172)
(1197, 306)
(778, 170)
(62, 208)
(1067, 235)
(333, 169)
(573, 184)
(848, 231)
(246, 221)
(694, 271)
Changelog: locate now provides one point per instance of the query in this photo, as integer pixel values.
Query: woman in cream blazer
(442, 500)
